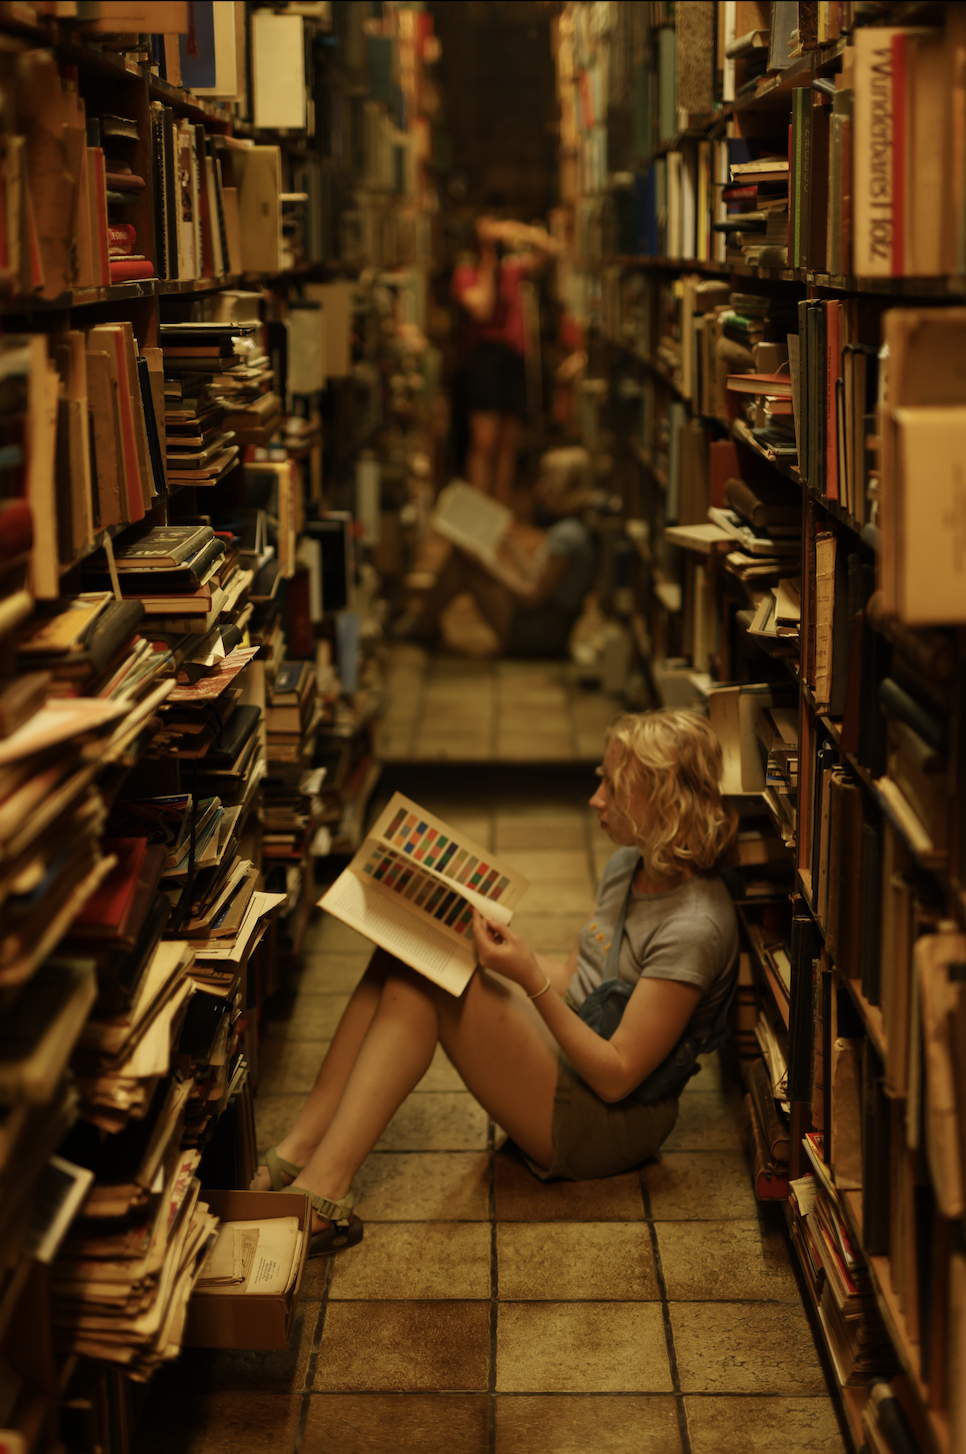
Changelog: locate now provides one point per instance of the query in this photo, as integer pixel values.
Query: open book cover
(412, 888)
(471, 519)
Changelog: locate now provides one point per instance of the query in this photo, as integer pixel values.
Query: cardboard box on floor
(257, 1320)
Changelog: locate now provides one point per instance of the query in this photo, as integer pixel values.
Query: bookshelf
(159, 841)
(852, 845)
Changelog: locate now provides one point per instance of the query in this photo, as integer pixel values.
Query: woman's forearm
(594, 1058)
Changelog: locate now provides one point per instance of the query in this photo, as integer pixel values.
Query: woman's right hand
(505, 953)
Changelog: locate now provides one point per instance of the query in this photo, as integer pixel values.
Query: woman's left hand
(504, 952)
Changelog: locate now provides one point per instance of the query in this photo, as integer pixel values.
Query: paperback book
(412, 888)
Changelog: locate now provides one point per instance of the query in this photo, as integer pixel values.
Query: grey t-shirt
(688, 934)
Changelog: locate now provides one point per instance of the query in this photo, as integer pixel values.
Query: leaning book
(412, 888)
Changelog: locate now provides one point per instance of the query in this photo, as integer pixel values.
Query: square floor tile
(201, 1422)
(442, 1074)
(272, 1370)
(436, 1121)
(537, 833)
(710, 1077)
(557, 1261)
(550, 866)
(695, 1185)
(331, 974)
(574, 1424)
(705, 1261)
(331, 934)
(413, 1186)
(274, 1116)
(523, 1197)
(559, 898)
(289, 1067)
(375, 1423)
(524, 747)
(706, 1122)
(312, 1017)
(549, 933)
(747, 1425)
(744, 1348)
(417, 1260)
(581, 1348)
(404, 1348)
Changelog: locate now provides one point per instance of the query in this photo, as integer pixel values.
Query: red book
(121, 239)
(722, 465)
(128, 269)
(105, 910)
(16, 529)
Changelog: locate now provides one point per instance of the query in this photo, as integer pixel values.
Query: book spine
(900, 137)
(873, 165)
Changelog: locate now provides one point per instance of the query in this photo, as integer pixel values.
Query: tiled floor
(466, 709)
(487, 1313)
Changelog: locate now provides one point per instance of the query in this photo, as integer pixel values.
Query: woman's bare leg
(314, 1118)
(481, 457)
(496, 1040)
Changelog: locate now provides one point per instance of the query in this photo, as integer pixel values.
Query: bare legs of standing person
(491, 459)
(383, 1047)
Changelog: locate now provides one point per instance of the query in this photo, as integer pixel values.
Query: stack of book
(847, 1307)
(757, 218)
(126, 1269)
(768, 1134)
(125, 1048)
(757, 551)
(212, 361)
(293, 807)
(183, 578)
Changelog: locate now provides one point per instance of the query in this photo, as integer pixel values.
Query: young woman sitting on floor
(576, 1104)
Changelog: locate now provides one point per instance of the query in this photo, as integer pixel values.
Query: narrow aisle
(486, 1313)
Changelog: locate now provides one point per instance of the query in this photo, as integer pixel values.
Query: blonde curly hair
(674, 758)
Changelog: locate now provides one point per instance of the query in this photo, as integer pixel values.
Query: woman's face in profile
(621, 823)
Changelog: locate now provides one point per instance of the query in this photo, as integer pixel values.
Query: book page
(392, 925)
(432, 844)
(471, 519)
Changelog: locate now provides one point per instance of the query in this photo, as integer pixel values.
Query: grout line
(666, 1316)
(494, 1308)
(313, 1360)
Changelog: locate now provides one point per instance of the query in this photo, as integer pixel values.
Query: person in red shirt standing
(495, 381)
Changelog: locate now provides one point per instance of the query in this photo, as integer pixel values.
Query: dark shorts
(495, 381)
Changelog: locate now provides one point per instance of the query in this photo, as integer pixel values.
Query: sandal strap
(332, 1211)
(275, 1165)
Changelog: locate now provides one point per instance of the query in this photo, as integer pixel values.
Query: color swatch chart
(423, 844)
(424, 892)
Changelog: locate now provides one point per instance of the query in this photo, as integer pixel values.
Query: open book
(412, 888)
(471, 519)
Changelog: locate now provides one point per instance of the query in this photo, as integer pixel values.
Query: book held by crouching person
(412, 889)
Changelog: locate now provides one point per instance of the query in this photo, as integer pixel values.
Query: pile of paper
(121, 1283)
(121, 1057)
(253, 1257)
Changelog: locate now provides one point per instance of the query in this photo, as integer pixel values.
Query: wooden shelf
(23, 306)
(950, 286)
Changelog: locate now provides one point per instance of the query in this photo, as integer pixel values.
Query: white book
(412, 887)
(470, 519)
